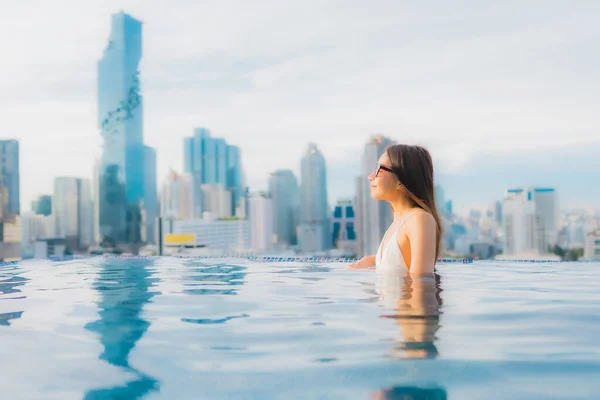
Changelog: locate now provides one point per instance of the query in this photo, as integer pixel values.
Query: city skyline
(454, 99)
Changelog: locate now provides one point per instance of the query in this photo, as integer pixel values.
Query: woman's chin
(375, 195)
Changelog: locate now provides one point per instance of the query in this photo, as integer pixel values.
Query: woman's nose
(371, 177)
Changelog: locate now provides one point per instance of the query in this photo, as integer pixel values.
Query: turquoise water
(170, 328)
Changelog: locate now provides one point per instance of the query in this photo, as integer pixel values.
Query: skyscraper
(150, 193)
(9, 174)
(120, 114)
(313, 232)
(72, 209)
(283, 187)
(545, 201)
(10, 225)
(212, 161)
(373, 216)
(234, 177)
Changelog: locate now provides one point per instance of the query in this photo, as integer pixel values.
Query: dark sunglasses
(382, 167)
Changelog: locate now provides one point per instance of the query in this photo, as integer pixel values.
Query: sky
(502, 93)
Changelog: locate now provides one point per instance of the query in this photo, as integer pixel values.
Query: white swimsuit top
(389, 259)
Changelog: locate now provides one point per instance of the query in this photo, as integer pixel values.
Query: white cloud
(271, 76)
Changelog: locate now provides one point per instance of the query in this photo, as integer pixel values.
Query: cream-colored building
(206, 236)
(591, 250)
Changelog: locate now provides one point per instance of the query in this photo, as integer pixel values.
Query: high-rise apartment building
(314, 229)
(546, 208)
(283, 187)
(373, 216)
(72, 210)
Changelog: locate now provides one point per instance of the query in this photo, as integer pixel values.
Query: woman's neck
(401, 207)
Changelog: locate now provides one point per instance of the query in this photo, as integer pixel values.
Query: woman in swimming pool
(404, 178)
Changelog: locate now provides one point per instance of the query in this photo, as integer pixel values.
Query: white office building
(522, 227)
(260, 216)
(215, 237)
(546, 205)
(34, 227)
(177, 196)
(217, 200)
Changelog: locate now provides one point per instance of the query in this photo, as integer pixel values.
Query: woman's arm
(365, 262)
(422, 234)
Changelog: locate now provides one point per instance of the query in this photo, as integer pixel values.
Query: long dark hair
(414, 168)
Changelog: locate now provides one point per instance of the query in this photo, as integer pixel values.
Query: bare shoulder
(422, 221)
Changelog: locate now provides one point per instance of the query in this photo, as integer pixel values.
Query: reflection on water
(417, 308)
(416, 304)
(214, 279)
(410, 393)
(124, 289)
(9, 289)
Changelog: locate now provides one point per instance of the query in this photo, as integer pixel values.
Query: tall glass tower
(120, 115)
(212, 161)
(283, 186)
(9, 173)
(313, 232)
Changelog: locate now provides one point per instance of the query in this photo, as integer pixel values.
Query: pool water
(169, 328)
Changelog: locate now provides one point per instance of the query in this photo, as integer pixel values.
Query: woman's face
(383, 182)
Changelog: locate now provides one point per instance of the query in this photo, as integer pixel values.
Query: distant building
(212, 161)
(373, 216)
(216, 237)
(10, 238)
(150, 202)
(216, 199)
(482, 250)
(50, 247)
(546, 208)
(523, 230)
(121, 175)
(73, 212)
(42, 205)
(313, 232)
(343, 227)
(33, 228)
(10, 223)
(9, 174)
(284, 190)
(592, 246)
(440, 200)
(177, 196)
(260, 215)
